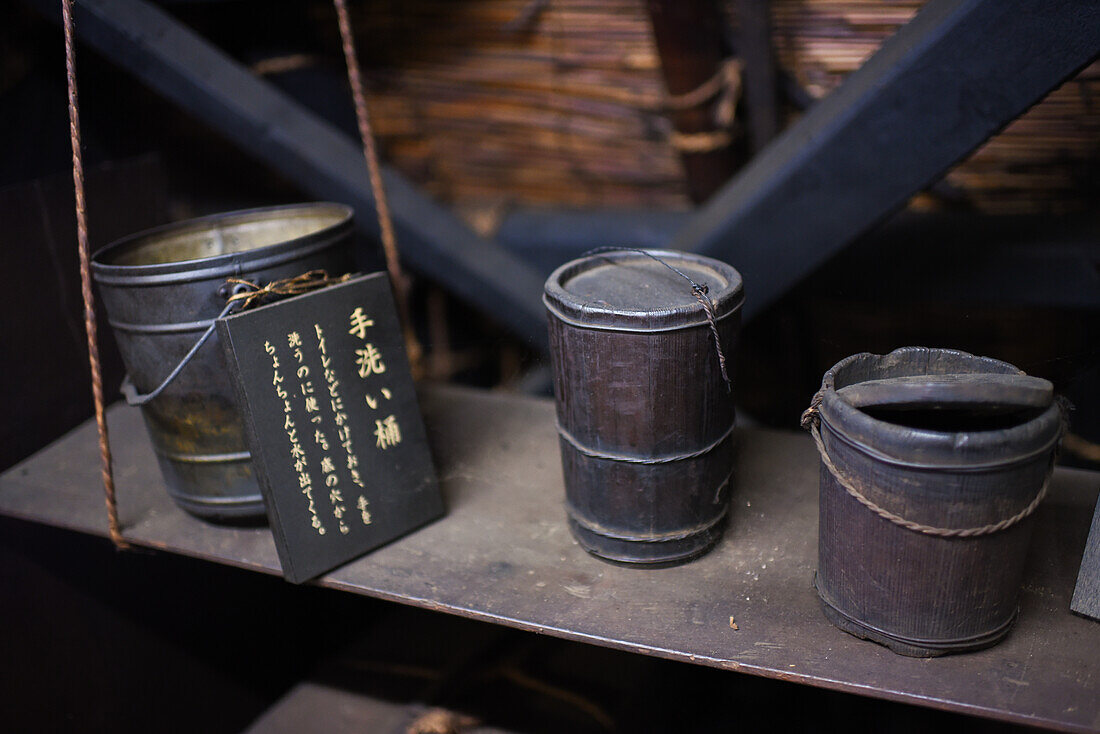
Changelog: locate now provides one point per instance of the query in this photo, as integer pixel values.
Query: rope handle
(240, 295)
(811, 421)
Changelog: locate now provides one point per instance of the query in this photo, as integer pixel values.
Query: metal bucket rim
(205, 267)
(569, 309)
(921, 447)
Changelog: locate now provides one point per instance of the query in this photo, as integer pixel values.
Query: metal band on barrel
(669, 537)
(227, 458)
(626, 458)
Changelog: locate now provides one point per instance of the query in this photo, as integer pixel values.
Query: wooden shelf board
(503, 554)
(313, 706)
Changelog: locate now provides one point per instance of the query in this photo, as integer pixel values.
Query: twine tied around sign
(811, 421)
(246, 293)
(699, 290)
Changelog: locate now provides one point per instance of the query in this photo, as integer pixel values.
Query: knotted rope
(726, 81)
(705, 142)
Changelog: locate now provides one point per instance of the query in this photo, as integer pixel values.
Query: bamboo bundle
(562, 109)
(500, 102)
(1042, 162)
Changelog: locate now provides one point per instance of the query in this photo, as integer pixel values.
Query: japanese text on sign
(320, 409)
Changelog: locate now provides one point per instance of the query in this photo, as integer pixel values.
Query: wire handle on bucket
(240, 294)
(811, 421)
(699, 290)
(129, 391)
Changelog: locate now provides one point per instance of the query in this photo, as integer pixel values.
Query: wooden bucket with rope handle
(933, 462)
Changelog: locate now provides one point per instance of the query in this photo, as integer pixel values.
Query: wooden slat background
(565, 109)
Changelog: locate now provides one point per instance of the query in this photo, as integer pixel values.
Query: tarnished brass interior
(228, 235)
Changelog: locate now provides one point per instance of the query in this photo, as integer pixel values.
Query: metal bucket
(927, 494)
(645, 417)
(163, 288)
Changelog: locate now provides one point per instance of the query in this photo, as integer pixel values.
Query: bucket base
(909, 647)
(221, 488)
(246, 510)
(646, 553)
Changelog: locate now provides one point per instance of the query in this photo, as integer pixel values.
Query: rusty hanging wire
(86, 280)
(385, 221)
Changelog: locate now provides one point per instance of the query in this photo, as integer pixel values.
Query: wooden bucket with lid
(645, 416)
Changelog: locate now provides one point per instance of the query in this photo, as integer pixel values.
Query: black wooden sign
(332, 420)
(1086, 597)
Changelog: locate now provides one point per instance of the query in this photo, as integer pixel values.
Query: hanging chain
(381, 204)
(86, 280)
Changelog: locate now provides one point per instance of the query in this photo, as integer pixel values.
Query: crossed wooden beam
(941, 86)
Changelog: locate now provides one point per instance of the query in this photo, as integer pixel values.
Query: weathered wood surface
(1086, 595)
(633, 412)
(311, 706)
(503, 554)
(761, 75)
(984, 390)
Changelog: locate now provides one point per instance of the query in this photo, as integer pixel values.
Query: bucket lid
(630, 290)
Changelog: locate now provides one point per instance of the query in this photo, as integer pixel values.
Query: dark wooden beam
(941, 86)
(688, 34)
(760, 78)
(326, 163)
(956, 257)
